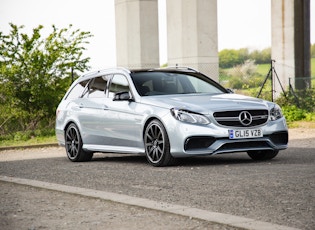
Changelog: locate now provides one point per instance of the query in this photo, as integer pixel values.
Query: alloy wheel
(157, 144)
(73, 142)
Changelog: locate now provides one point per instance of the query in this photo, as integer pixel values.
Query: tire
(73, 144)
(261, 155)
(157, 145)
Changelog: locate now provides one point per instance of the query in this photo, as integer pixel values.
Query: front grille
(232, 118)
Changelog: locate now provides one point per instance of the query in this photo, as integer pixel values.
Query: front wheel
(74, 145)
(157, 145)
(261, 155)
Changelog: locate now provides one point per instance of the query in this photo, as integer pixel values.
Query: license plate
(245, 133)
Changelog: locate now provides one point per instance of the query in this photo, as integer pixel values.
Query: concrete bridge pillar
(192, 35)
(137, 36)
(291, 42)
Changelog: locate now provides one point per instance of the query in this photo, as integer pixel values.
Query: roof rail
(181, 68)
(93, 72)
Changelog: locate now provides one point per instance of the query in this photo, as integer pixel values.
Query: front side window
(118, 84)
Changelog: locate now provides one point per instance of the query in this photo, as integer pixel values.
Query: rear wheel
(157, 145)
(261, 155)
(74, 145)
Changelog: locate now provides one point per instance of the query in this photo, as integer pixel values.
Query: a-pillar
(192, 37)
(137, 37)
(291, 43)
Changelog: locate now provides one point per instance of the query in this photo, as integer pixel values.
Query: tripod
(271, 73)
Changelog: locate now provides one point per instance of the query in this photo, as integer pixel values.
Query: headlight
(275, 113)
(189, 117)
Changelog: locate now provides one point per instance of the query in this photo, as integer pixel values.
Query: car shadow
(223, 159)
(119, 158)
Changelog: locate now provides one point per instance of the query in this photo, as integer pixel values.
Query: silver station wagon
(165, 114)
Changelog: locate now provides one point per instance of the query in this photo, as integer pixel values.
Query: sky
(241, 23)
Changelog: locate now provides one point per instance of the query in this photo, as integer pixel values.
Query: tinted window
(163, 83)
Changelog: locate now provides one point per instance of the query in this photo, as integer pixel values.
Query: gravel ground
(25, 207)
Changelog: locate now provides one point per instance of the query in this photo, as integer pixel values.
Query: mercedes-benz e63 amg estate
(165, 114)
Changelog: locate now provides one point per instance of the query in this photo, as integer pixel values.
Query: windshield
(163, 83)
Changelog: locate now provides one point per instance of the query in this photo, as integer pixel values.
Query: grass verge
(302, 124)
(32, 141)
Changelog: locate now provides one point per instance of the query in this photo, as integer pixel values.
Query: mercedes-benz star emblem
(245, 118)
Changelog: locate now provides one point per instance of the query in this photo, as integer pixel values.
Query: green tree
(228, 58)
(231, 57)
(243, 55)
(265, 56)
(35, 72)
(261, 57)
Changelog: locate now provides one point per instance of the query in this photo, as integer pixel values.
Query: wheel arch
(68, 124)
(147, 123)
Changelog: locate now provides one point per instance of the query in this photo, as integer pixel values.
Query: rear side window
(97, 87)
(77, 90)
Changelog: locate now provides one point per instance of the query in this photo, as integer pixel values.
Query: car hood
(206, 103)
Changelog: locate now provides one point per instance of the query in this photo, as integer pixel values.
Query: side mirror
(122, 96)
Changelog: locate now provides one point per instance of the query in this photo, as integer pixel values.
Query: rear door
(93, 110)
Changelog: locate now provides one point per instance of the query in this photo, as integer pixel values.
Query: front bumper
(212, 145)
(191, 140)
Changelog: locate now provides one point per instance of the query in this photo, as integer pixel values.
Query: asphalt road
(280, 191)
